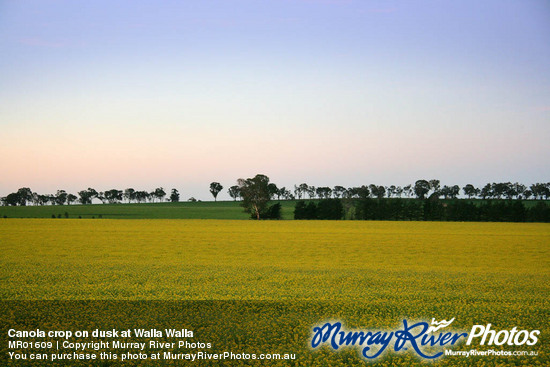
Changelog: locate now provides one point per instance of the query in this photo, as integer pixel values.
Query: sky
(178, 94)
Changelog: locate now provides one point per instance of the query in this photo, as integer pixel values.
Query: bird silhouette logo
(439, 325)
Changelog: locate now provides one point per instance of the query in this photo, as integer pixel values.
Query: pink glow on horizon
(170, 161)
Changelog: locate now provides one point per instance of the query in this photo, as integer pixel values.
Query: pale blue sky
(181, 93)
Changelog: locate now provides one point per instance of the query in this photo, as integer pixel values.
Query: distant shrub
(300, 210)
(539, 213)
(324, 209)
(271, 212)
(305, 211)
(330, 209)
(311, 210)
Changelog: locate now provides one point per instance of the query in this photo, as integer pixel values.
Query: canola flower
(264, 284)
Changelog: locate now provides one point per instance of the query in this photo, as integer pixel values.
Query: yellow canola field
(260, 287)
(268, 260)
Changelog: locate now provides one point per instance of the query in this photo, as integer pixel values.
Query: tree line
(370, 203)
(432, 209)
(421, 189)
(25, 195)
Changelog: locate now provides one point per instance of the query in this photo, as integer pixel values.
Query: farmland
(179, 210)
(283, 276)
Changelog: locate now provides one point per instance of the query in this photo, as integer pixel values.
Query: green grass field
(181, 210)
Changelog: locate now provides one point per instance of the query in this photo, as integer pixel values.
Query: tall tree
(101, 197)
(284, 193)
(302, 190)
(141, 196)
(407, 190)
(12, 199)
(470, 191)
(113, 196)
(61, 197)
(510, 191)
(255, 194)
(35, 200)
(363, 191)
(421, 188)
(454, 191)
(540, 190)
(159, 193)
(273, 189)
(323, 192)
(174, 196)
(86, 196)
(215, 188)
(398, 191)
(281, 192)
(376, 191)
(235, 192)
(297, 192)
(435, 185)
(520, 189)
(130, 194)
(25, 195)
(450, 192)
(392, 190)
(486, 191)
(500, 189)
(311, 191)
(71, 198)
(353, 192)
(42, 199)
(338, 191)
